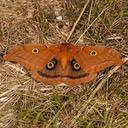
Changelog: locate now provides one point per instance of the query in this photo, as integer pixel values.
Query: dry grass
(25, 103)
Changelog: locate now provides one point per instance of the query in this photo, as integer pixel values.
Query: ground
(26, 103)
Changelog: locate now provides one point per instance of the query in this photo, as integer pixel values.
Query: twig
(74, 26)
(91, 24)
(93, 94)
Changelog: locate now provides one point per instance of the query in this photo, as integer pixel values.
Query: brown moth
(70, 64)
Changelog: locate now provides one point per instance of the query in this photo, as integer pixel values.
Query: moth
(63, 63)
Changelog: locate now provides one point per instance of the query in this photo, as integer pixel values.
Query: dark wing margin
(47, 75)
(77, 77)
(55, 76)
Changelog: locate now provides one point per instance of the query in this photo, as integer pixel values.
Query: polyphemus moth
(63, 63)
